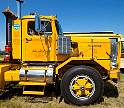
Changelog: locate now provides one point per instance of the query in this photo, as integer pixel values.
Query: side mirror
(38, 27)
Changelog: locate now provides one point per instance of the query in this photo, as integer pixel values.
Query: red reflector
(7, 48)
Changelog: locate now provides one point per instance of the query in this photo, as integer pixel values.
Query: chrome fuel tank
(37, 75)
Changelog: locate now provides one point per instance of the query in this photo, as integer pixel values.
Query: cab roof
(42, 17)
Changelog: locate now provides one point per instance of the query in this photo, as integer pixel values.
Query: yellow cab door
(36, 46)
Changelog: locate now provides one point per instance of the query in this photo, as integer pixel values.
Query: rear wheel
(82, 85)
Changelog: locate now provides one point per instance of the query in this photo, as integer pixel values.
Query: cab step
(26, 83)
(33, 88)
(34, 92)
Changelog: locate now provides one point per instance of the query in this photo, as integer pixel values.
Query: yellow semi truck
(39, 54)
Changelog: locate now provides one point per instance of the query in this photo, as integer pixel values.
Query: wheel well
(103, 72)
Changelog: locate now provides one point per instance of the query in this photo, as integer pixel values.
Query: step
(33, 92)
(33, 83)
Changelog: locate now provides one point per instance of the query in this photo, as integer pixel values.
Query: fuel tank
(37, 75)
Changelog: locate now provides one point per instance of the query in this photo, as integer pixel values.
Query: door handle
(28, 39)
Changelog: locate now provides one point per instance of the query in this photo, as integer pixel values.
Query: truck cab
(38, 53)
(31, 46)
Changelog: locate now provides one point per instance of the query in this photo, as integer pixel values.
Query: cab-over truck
(39, 54)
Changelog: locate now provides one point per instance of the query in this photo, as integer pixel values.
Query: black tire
(90, 73)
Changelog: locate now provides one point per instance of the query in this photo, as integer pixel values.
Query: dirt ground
(113, 98)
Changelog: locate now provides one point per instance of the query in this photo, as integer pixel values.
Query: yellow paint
(69, 60)
(91, 47)
(11, 75)
(114, 74)
(33, 83)
(94, 35)
(36, 68)
(33, 92)
(35, 47)
(104, 63)
(96, 47)
(42, 17)
(87, 87)
(16, 39)
(3, 69)
(38, 47)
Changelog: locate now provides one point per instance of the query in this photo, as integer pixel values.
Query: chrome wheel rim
(82, 87)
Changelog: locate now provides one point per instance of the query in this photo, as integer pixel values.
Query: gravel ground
(113, 98)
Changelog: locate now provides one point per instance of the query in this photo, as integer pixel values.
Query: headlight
(114, 53)
(114, 65)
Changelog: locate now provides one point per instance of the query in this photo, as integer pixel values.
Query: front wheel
(82, 85)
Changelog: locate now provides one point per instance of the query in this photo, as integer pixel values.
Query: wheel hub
(82, 87)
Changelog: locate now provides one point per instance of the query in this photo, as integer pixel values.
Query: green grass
(1, 57)
(114, 98)
(122, 77)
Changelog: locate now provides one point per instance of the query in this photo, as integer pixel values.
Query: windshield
(58, 28)
(46, 27)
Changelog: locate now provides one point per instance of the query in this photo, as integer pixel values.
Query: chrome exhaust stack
(19, 2)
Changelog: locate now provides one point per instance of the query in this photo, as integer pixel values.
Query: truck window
(46, 27)
(59, 29)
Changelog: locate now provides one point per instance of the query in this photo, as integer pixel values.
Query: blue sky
(74, 15)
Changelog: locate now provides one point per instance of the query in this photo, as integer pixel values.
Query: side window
(46, 27)
(59, 29)
(31, 28)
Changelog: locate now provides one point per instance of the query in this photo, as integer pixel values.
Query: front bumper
(114, 74)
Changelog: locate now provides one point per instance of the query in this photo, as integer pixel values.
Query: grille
(64, 45)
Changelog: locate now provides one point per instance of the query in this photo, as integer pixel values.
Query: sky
(73, 15)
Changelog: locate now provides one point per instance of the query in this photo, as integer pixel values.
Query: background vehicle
(122, 54)
(39, 54)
